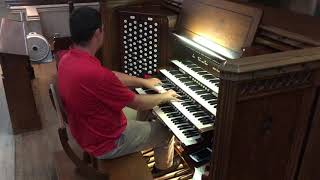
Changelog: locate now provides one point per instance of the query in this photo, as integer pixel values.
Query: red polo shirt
(93, 98)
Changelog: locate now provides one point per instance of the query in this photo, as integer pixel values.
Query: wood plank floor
(6, 139)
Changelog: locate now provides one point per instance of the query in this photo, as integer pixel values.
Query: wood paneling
(283, 18)
(19, 93)
(264, 115)
(17, 76)
(310, 159)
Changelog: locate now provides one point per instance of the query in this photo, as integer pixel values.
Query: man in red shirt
(94, 96)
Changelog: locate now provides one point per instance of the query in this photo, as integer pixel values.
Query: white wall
(54, 19)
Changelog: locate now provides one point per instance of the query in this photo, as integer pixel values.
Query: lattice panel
(141, 43)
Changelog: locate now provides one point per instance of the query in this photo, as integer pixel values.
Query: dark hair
(83, 24)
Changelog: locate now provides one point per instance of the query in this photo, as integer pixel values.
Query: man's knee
(145, 115)
(162, 132)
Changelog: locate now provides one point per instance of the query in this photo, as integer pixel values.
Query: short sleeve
(113, 92)
(59, 55)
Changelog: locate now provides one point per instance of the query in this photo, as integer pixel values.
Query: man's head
(86, 27)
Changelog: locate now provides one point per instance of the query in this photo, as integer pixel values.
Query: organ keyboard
(204, 77)
(180, 125)
(196, 112)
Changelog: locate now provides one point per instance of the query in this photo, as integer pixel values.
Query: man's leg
(140, 135)
(145, 115)
(163, 155)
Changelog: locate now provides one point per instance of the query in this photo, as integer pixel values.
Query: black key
(185, 126)
(192, 65)
(191, 106)
(175, 72)
(191, 83)
(171, 115)
(187, 103)
(202, 72)
(197, 69)
(199, 114)
(195, 110)
(168, 109)
(202, 92)
(208, 96)
(213, 101)
(190, 133)
(208, 76)
(207, 122)
(179, 75)
(214, 80)
(205, 119)
(187, 62)
(184, 98)
(184, 80)
(177, 122)
(165, 105)
(196, 88)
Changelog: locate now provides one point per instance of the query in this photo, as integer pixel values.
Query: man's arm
(132, 81)
(146, 102)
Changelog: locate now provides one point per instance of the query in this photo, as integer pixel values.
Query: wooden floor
(6, 139)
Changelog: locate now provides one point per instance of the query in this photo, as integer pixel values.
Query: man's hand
(170, 95)
(152, 83)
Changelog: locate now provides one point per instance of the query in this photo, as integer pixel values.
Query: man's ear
(97, 32)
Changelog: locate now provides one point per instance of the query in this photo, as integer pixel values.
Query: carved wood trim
(269, 61)
(285, 82)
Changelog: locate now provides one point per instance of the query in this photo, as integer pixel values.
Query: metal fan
(38, 48)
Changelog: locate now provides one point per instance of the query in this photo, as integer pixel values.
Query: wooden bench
(131, 167)
(71, 167)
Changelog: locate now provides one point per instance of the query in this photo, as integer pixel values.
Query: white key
(173, 127)
(190, 92)
(195, 120)
(195, 75)
(177, 132)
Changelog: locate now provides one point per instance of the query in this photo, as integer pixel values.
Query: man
(94, 97)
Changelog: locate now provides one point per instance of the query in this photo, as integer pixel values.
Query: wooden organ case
(249, 89)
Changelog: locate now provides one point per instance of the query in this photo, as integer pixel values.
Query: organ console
(248, 87)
